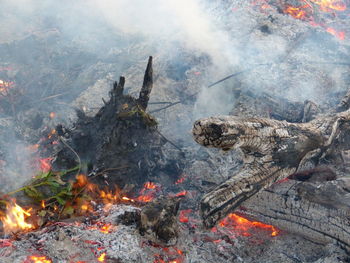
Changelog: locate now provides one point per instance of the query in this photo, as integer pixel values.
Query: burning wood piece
(159, 220)
(272, 151)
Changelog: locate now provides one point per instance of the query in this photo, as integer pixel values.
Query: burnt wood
(121, 144)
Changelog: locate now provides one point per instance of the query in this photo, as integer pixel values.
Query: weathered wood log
(320, 212)
(272, 150)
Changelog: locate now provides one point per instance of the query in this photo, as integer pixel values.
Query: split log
(272, 151)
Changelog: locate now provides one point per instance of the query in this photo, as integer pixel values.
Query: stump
(121, 142)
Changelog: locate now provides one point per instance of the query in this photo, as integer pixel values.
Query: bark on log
(272, 151)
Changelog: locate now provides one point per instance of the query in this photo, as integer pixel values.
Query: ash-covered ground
(56, 57)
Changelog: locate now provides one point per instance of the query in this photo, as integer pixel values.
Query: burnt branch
(146, 86)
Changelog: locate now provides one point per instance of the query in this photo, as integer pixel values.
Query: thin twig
(70, 148)
(49, 97)
(168, 106)
(173, 144)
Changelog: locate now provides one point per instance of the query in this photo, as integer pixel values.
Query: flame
(330, 5)
(43, 205)
(102, 257)
(305, 11)
(243, 225)
(38, 259)
(14, 220)
(105, 228)
(296, 12)
(148, 192)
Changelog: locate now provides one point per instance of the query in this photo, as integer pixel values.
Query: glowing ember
(124, 198)
(169, 255)
(52, 115)
(102, 257)
(148, 192)
(181, 180)
(5, 243)
(340, 35)
(38, 259)
(52, 133)
(243, 226)
(183, 217)
(106, 228)
(14, 220)
(181, 194)
(150, 185)
(5, 86)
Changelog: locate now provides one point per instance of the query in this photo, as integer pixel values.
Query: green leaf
(60, 200)
(44, 175)
(33, 193)
(42, 213)
(69, 210)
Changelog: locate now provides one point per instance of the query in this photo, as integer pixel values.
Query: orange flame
(329, 5)
(304, 13)
(102, 257)
(296, 12)
(243, 225)
(39, 259)
(14, 220)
